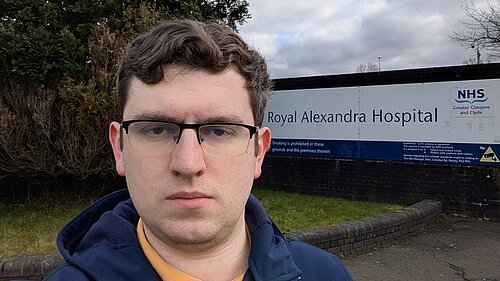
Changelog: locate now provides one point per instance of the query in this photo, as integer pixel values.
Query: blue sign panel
(450, 153)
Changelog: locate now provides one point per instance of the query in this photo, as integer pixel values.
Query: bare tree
(482, 30)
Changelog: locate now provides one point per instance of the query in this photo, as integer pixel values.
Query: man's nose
(188, 158)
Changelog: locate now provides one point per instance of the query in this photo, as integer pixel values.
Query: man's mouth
(190, 200)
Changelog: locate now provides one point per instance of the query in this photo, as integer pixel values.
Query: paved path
(451, 248)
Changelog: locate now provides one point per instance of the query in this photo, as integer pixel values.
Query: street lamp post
(379, 57)
(478, 53)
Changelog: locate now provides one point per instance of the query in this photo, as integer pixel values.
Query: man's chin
(193, 242)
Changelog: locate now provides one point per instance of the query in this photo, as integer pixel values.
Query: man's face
(190, 199)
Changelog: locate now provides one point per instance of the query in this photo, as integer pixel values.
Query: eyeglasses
(160, 137)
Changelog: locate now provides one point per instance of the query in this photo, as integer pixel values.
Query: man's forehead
(230, 77)
(189, 100)
(172, 71)
(200, 118)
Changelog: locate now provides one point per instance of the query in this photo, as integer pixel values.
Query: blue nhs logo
(471, 96)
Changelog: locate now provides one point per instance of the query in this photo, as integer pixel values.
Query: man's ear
(117, 145)
(264, 142)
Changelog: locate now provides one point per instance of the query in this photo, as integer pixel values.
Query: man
(190, 144)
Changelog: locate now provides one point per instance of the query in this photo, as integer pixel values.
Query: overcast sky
(315, 37)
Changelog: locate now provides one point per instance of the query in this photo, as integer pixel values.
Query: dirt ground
(450, 248)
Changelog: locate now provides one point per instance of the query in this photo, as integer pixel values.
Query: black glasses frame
(125, 125)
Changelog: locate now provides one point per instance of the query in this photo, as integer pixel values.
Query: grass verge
(292, 211)
(32, 228)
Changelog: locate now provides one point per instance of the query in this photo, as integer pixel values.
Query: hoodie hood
(102, 241)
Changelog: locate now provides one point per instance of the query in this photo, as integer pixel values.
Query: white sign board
(452, 122)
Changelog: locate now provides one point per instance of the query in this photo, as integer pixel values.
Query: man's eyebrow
(161, 116)
(223, 119)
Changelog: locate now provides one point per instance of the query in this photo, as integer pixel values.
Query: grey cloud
(406, 34)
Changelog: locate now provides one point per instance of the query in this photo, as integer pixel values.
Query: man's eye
(219, 132)
(157, 131)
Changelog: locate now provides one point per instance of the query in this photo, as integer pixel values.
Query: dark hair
(193, 45)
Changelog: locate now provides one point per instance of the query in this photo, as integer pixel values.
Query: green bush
(42, 41)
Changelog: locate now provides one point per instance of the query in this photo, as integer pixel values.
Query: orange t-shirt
(165, 270)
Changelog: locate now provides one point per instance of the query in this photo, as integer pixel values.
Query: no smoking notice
(489, 156)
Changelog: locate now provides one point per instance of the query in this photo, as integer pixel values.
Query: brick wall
(28, 267)
(470, 190)
(360, 235)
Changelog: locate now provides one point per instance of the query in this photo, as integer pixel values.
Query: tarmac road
(450, 248)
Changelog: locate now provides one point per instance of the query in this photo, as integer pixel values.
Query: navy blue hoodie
(101, 244)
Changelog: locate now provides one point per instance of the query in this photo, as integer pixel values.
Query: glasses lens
(153, 137)
(224, 139)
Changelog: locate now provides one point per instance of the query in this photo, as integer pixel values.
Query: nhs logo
(471, 96)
